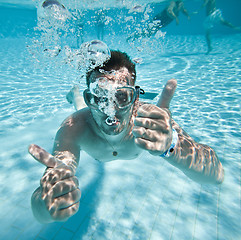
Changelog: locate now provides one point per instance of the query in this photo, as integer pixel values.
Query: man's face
(113, 98)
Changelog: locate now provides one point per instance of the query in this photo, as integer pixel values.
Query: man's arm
(58, 196)
(185, 12)
(154, 132)
(198, 161)
(170, 11)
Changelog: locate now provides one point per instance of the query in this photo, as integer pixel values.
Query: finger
(64, 187)
(42, 156)
(150, 146)
(59, 189)
(150, 135)
(56, 174)
(144, 144)
(152, 124)
(53, 176)
(151, 111)
(64, 214)
(65, 201)
(138, 132)
(167, 94)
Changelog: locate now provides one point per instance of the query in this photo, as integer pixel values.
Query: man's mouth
(111, 121)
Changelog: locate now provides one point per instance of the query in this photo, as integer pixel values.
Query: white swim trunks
(213, 19)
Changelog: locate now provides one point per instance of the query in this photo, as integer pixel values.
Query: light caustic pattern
(144, 198)
(153, 197)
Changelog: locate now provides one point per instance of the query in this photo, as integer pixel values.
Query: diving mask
(111, 98)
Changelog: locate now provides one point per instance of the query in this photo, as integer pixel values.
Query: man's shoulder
(77, 118)
(84, 112)
(76, 126)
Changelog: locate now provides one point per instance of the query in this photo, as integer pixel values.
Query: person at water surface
(214, 16)
(171, 12)
(162, 19)
(115, 125)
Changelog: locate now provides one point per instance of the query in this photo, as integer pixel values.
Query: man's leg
(228, 24)
(74, 97)
(208, 39)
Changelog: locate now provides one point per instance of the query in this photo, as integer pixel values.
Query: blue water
(145, 198)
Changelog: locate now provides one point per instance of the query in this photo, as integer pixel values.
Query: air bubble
(93, 54)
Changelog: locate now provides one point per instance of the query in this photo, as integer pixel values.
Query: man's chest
(105, 151)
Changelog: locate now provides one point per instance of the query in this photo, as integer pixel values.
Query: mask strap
(138, 92)
(87, 101)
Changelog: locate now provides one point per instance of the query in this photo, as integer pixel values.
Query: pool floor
(145, 198)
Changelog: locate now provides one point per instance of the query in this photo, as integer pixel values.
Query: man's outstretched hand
(152, 125)
(58, 190)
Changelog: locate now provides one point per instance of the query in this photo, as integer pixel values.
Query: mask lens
(92, 100)
(124, 97)
(98, 100)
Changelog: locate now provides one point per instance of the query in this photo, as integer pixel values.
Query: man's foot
(237, 28)
(209, 50)
(70, 95)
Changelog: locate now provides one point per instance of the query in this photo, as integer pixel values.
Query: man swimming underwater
(115, 125)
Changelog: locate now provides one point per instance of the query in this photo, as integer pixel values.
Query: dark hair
(117, 60)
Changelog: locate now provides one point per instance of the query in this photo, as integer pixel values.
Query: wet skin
(140, 127)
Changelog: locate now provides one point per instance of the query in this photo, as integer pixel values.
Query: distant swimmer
(170, 13)
(213, 16)
(162, 19)
(100, 23)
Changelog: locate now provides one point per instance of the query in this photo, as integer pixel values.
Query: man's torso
(103, 147)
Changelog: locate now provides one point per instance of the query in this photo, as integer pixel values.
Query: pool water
(145, 198)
